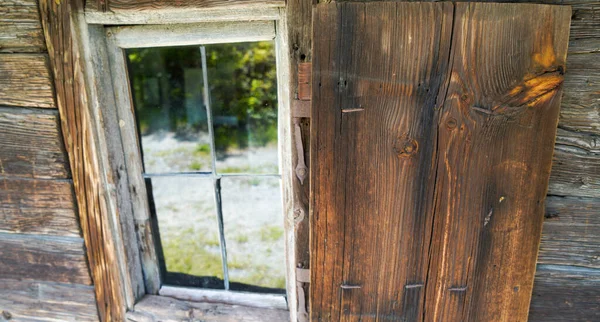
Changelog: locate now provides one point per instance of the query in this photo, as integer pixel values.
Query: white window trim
(103, 48)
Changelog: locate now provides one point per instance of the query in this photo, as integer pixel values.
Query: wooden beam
(191, 34)
(431, 169)
(62, 20)
(20, 27)
(31, 145)
(163, 308)
(45, 207)
(25, 81)
(46, 258)
(571, 230)
(46, 301)
(565, 293)
(173, 16)
(299, 35)
(140, 6)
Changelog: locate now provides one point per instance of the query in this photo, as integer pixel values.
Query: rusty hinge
(302, 277)
(301, 168)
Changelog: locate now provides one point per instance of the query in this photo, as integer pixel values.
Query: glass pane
(167, 86)
(243, 98)
(253, 219)
(188, 229)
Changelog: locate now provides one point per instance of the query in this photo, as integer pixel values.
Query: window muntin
(219, 144)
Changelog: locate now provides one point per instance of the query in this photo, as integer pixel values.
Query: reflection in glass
(243, 98)
(166, 85)
(253, 219)
(185, 212)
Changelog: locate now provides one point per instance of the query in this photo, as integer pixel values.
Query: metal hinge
(301, 168)
(302, 277)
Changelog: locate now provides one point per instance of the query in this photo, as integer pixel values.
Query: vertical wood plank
(495, 142)
(376, 73)
(59, 21)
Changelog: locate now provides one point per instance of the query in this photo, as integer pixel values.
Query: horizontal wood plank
(571, 232)
(25, 81)
(565, 293)
(145, 5)
(31, 144)
(154, 308)
(20, 27)
(171, 16)
(38, 207)
(44, 258)
(45, 301)
(576, 165)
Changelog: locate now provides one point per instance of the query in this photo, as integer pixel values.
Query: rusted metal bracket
(301, 168)
(302, 277)
(304, 81)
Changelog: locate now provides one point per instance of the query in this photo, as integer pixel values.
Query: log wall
(44, 274)
(38, 211)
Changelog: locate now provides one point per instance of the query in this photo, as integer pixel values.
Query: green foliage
(243, 92)
(193, 252)
(271, 233)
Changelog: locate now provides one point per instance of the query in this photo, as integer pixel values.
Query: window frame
(138, 263)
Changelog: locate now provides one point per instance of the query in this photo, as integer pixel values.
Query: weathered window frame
(103, 50)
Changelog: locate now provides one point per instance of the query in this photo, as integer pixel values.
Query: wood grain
(571, 230)
(31, 144)
(372, 167)
(25, 81)
(44, 207)
(448, 166)
(144, 5)
(299, 36)
(576, 165)
(61, 20)
(565, 293)
(45, 258)
(45, 301)
(20, 27)
(154, 308)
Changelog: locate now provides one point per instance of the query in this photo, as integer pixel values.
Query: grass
(193, 252)
(271, 233)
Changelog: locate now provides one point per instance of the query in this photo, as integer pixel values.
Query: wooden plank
(576, 165)
(376, 70)
(44, 301)
(571, 230)
(20, 27)
(25, 81)
(265, 301)
(44, 207)
(154, 308)
(191, 34)
(44, 258)
(31, 145)
(173, 16)
(147, 5)
(565, 293)
(62, 21)
(495, 145)
(402, 159)
(299, 36)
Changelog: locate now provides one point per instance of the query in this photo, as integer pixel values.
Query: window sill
(167, 308)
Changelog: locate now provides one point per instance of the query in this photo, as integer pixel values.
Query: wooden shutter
(433, 127)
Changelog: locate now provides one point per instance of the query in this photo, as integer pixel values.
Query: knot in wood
(405, 146)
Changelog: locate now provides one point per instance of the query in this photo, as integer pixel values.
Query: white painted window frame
(107, 71)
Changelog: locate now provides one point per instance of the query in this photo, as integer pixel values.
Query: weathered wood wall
(567, 281)
(44, 275)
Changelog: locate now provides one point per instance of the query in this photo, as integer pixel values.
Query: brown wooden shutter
(433, 127)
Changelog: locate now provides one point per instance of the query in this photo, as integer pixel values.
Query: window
(207, 125)
(204, 125)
